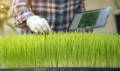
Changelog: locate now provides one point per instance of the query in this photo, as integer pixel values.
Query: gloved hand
(38, 24)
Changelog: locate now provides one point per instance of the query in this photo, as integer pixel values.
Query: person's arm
(22, 10)
(23, 13)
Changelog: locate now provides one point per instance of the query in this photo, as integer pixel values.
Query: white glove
(37, 24)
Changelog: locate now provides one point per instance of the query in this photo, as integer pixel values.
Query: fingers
(41, 27)
(34, 30)
(38, 25)
(46, 26)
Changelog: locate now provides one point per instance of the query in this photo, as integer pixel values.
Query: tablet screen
(89, 19)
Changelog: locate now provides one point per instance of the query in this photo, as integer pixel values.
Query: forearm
(21, 10)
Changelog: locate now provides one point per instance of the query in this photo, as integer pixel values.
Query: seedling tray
(63, 69)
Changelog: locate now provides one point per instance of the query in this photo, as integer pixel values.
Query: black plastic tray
(63, 69)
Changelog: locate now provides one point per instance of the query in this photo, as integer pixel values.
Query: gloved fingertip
(35, 30)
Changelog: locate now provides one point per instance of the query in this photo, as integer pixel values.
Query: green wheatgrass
(60, 50)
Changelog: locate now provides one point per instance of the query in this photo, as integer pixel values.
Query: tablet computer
(90, 19)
